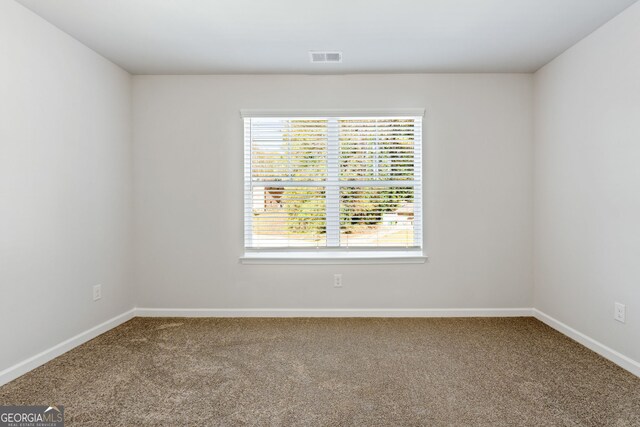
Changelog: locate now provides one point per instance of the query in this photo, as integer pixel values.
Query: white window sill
(315, 258)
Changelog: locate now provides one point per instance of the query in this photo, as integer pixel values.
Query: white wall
(65, 186)
(478, 187)
(587, 184)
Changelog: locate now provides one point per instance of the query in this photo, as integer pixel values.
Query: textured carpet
(333, 372)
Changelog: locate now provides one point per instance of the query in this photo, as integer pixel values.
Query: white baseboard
(604, 351)
(333, 312)
(33, 362)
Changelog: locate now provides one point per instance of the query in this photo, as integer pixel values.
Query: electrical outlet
(337, 280)
(97, 292)
(619, 312)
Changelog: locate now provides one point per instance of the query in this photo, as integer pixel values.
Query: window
(333, 186)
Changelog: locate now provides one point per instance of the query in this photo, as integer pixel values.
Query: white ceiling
(376, 36)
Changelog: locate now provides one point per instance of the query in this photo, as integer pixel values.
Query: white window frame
(333, 254)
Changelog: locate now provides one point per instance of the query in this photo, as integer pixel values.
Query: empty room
(336, 213)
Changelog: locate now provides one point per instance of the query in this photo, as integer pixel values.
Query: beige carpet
(333, 372)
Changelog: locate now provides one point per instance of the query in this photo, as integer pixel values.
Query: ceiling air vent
(321, 57)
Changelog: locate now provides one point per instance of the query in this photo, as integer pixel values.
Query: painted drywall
(65, 186)
(188, 187)
(587, 184)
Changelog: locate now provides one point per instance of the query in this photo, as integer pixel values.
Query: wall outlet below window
(337, 280)
(97, 292)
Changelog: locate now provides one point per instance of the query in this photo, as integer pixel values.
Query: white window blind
(333, 182)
